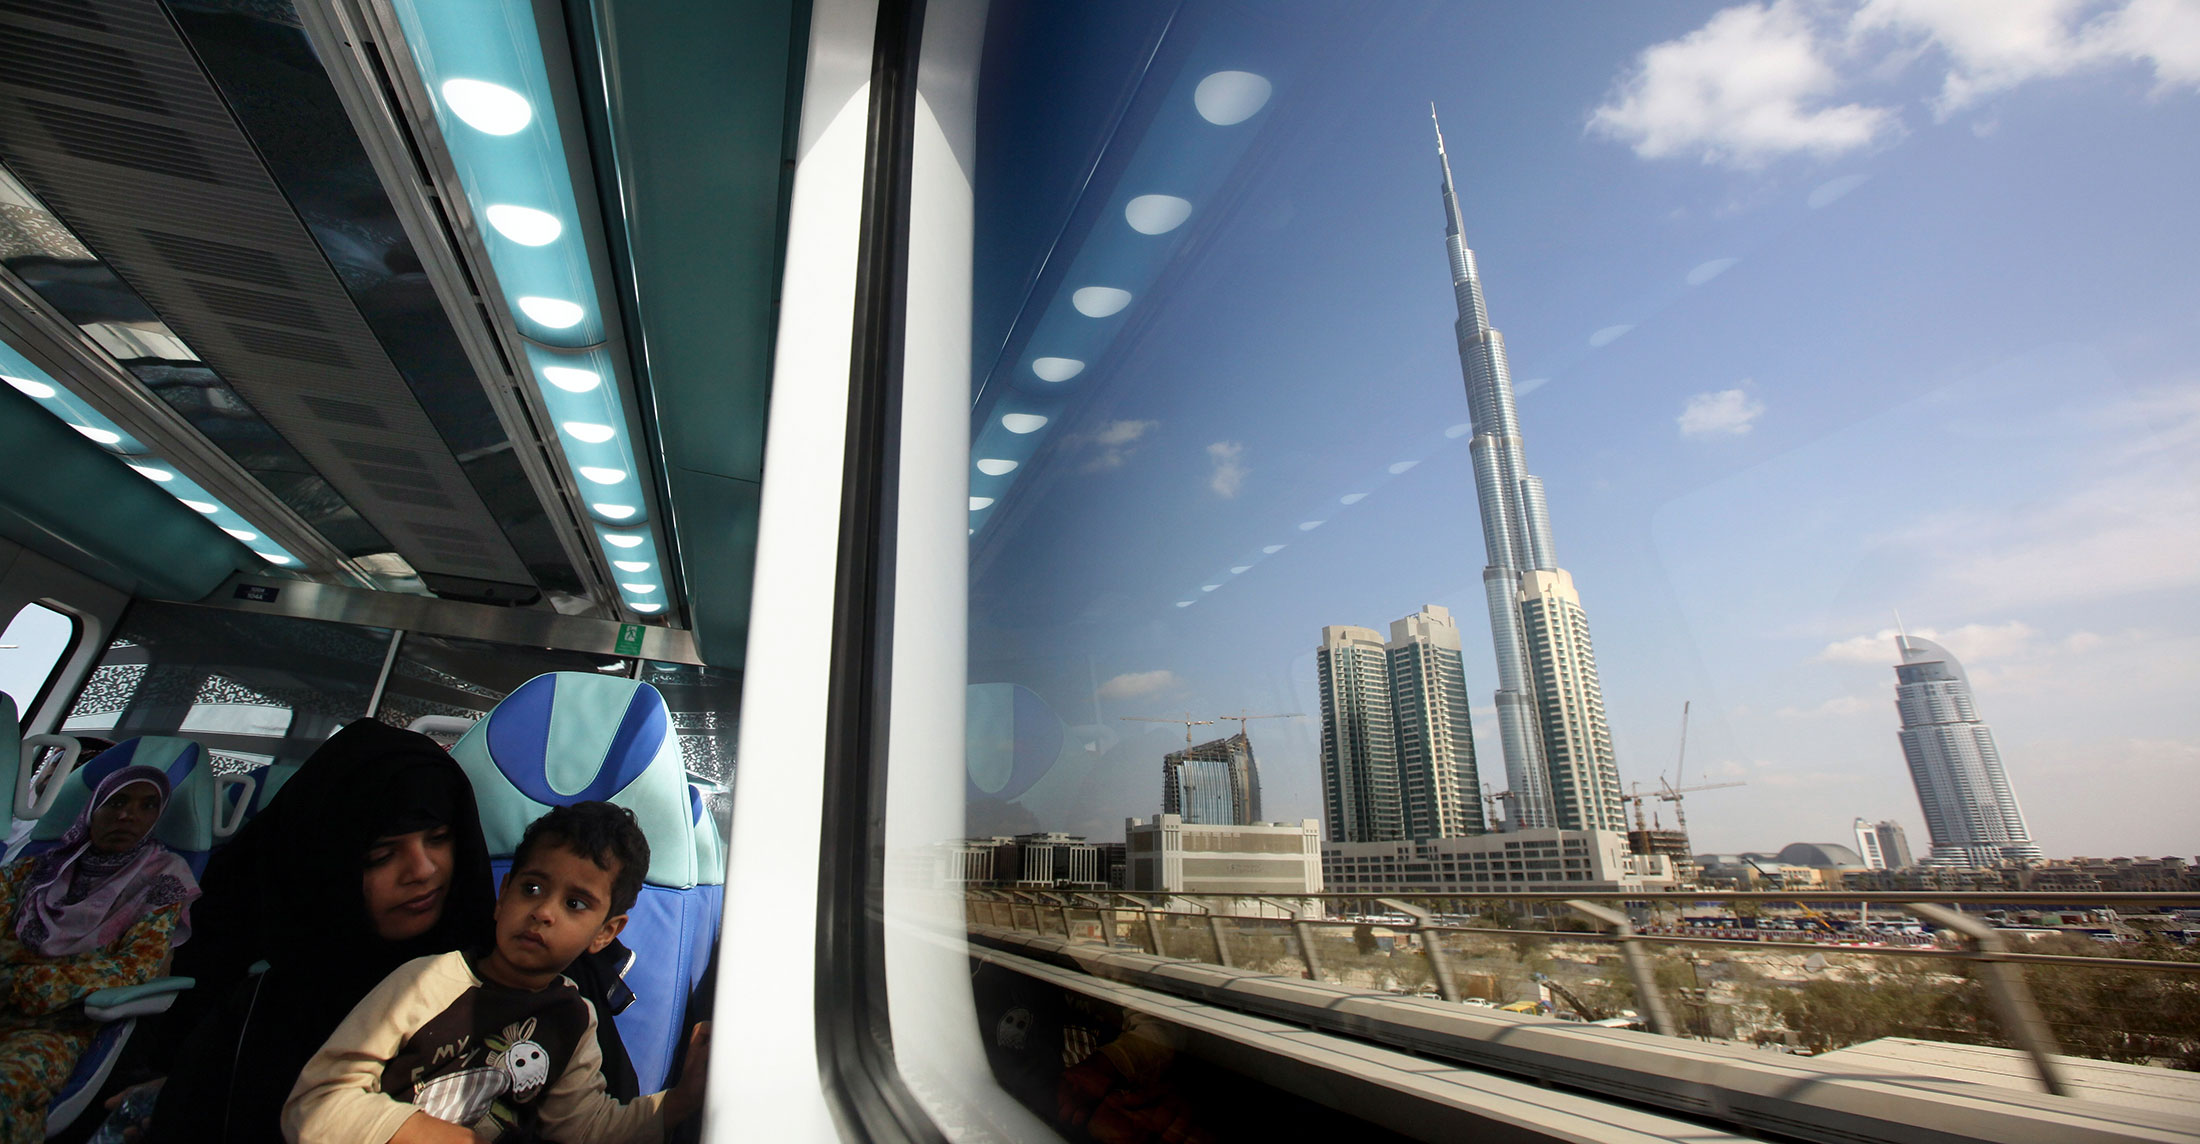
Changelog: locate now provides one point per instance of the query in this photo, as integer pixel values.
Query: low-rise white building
(1167, 855)
(1524, 860)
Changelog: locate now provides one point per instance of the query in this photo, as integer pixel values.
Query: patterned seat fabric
(572, 737)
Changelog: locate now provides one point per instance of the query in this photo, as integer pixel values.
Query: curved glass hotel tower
(1550, 708)
(1970, 810)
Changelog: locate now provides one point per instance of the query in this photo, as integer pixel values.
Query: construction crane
(1187, 721)
(1241, 719)
(1672, 791)
(1638, 798)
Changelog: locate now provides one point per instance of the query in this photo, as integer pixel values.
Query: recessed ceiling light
(622, 540)
(1273, 549)
(241, 534)
(1231, 97)
(152, 474)
(525, 225)
(1239, 569)
(273, 557)
(1209, 587)
(1023, 422)
(1099, 301)
(556, 313)
(1185, 603)
(571, 380)
(1352, 498)
(103, 436)
(616, 511)
(977, 503)
(590, 432)
(996, 467)
(29, 388)
(202, 506)
(1056, 368)
(1156, 214)
(602, 476)
(639, 589)
(631, 565)
(645, 609)
(1459, 430)
(489, 108)
(1402, 466)
(1310, 525)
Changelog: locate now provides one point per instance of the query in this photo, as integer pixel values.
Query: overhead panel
(107, 117)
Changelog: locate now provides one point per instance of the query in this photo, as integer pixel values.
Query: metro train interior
(481, 367)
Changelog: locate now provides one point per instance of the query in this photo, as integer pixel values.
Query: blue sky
(1904, 323)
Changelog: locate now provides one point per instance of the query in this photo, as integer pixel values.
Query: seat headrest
(570, 737)
(186, 826)
(11, 750)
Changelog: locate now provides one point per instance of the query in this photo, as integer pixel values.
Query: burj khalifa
(1550, 706)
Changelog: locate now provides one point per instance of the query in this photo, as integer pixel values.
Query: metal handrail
(2011, 996)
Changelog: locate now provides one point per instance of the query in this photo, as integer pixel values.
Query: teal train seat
(190, 825)
(572, 737)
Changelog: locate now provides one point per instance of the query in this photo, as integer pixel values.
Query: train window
(1310, 441)
(250, 688)
(460, 678)
(37, 640)
(706, 713)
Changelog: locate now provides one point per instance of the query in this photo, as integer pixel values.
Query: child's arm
(686, 1098)
(338, 1096)
(577, 1110)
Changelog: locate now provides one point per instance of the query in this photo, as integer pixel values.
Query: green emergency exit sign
(630, 640)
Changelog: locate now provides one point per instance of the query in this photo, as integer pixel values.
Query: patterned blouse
(36, 990)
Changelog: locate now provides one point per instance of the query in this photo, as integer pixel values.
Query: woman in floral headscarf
(99, 910)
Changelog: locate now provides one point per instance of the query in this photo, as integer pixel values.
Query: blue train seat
(192, 823)
(571, 737)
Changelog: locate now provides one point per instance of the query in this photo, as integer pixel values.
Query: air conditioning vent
(76, 12)
(345, 412)
(61, 64)
(96, 137)
(412, 478)
(221, 259)
(257, 305)
(419, 497)
(296, 347)
(377, 454)
(444, 532)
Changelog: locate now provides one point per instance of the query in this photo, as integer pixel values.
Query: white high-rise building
(1577, 742)
(1970, 810)
(1360, 789)
(1883, 845)
(1435, 731)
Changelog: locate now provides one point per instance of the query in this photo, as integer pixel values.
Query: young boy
(488, 1045)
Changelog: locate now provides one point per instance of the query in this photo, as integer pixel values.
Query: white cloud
(1993, 47)
(1971, 643)
(1130, 685)
(1229, 472)
(1727, 413)
(1839, 705)
(1750, 86)
(1115, 441)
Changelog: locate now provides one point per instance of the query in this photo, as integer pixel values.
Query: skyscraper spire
(1550, 706)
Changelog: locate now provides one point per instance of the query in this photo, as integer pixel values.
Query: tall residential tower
(1397, 735)
(1970, 812)
(1361, 801)
(1550, 708)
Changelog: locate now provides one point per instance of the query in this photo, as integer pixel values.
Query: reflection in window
(32, 648)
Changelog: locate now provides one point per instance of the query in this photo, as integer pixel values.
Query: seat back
(572, 737)
(11, 756)
(193, 820)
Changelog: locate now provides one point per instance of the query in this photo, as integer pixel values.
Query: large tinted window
(31, 650)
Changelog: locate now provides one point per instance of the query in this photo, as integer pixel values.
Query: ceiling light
(1231, 97)
(996, 467)
(489, 108)
(590, 432)
(247, 537)
(977, 503)
(1402, 466)
(1156, 214)
(525, 225)
(152, 474)
(103, 436)
(29, 388)
(1021, 423)
(1185, 603)
(571, 380)
(622, 540)
(1056, 368)
(631, 565)
(1209, 587)
(1100, 301)
(639, 589)
(202, 506)
(1310, 525)
(1352, 498)
(273, 557)
(1459, 430)
(644, 609)
(1239, 569)
(1273, 549)
(616, 511)
(556, 313)
(602, 476)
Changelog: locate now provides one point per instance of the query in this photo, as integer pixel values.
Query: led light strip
(73, 411)
(481, 63)
(1191, 149)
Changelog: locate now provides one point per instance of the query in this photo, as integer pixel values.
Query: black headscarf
(286, 890)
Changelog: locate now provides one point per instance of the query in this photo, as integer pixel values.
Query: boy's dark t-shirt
(436, 1037)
